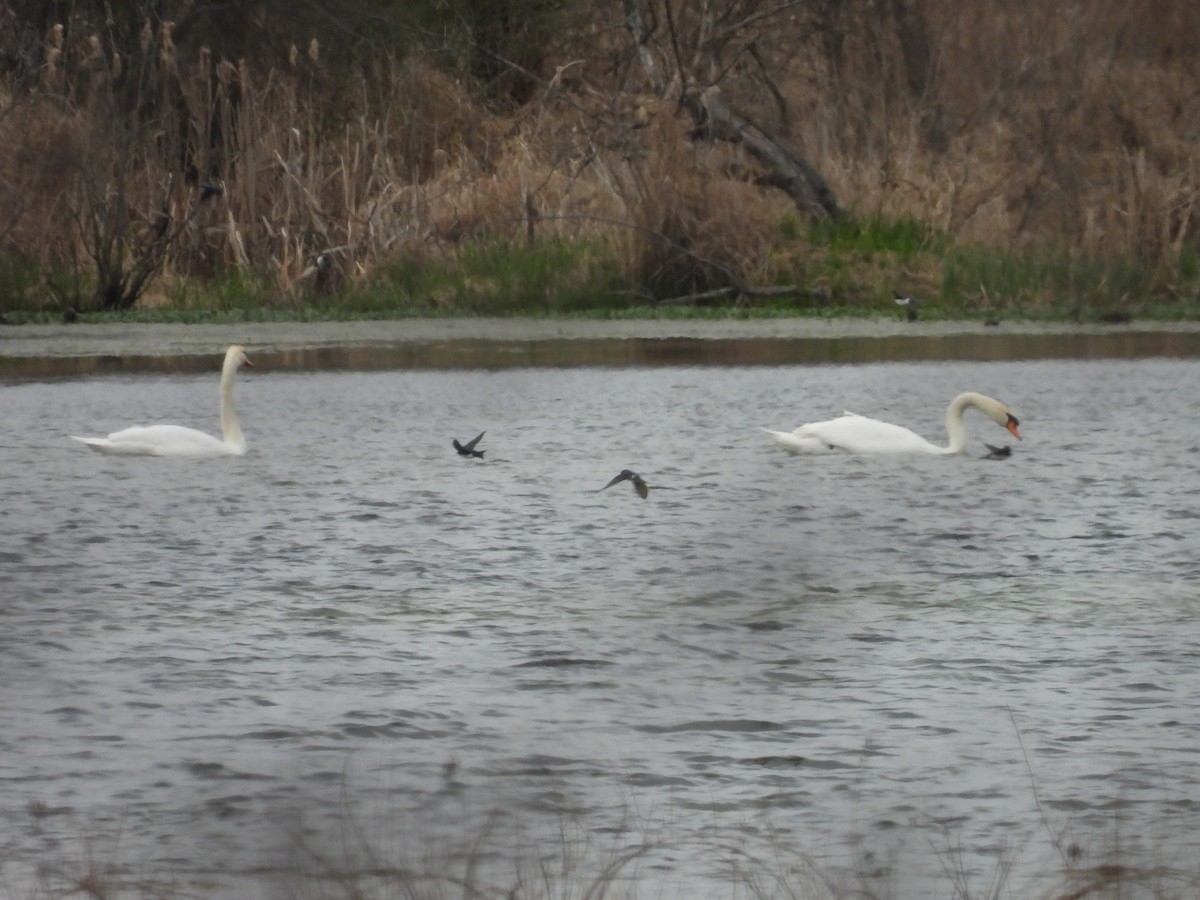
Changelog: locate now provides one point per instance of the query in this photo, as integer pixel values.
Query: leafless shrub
(1007, 125)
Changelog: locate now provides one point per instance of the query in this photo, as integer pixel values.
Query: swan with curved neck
(176, 440)
(851, 433)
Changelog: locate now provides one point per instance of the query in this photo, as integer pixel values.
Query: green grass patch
(231, 290)
(867, 235)
(506, 278)
(844, 268)
(1048, 284)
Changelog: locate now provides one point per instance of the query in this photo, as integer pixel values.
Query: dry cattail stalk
(52, 76)
(167, 48)
(95, 51)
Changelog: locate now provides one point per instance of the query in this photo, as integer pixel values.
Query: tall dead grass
(1040, 122)
(1009, 126)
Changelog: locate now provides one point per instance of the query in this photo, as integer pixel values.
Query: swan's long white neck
(956, 431)
(231, 431)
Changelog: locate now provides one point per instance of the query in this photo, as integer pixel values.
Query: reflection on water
(353, 647)
(560, 352)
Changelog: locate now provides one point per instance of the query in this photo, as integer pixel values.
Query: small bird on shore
(643, 489)
(997, 452)
(468, 449)
(910, 304)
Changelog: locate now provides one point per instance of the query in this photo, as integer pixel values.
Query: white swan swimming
(851, 433)
(175, 440)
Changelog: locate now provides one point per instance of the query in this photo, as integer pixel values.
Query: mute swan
(175, 440)
(851, 433)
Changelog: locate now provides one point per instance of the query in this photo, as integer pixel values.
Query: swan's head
(235, 357)
(1000, 414)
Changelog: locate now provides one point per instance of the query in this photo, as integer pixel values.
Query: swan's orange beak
(1011, 425)
(246, 362)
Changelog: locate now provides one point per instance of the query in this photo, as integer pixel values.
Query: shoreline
(116, 339)
(81, 349)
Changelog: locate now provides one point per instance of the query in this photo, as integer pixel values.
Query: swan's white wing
(104, 445)
(161, 440)
(798, 444)
(859, 434)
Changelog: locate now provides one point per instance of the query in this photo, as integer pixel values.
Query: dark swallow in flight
(209, 190)
(468, 449)
(997, 452)
(640, 486)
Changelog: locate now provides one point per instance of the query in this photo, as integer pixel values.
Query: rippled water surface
(353, 649)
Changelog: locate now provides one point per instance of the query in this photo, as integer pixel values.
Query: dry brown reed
(1013, 125)
(1039, 122)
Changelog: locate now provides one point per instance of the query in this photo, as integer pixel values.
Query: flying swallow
(640, 486)
(468, 449)
(997, 452)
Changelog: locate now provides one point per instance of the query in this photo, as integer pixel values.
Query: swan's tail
(787, 440)
(800, 442)
(105, 446)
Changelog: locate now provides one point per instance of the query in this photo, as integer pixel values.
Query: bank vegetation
(1032, 158)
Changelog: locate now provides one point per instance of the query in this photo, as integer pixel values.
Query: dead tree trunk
(786, 168)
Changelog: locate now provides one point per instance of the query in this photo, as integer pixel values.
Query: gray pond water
(353, 657)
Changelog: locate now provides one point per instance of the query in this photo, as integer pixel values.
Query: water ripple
(815, 648)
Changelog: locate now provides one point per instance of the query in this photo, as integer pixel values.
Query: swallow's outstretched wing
(643, 489)
(468, 449)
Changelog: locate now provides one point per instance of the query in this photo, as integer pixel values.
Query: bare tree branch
(787, 168)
